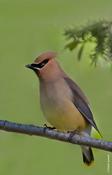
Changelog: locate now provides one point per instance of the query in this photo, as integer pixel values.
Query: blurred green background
(27, 28)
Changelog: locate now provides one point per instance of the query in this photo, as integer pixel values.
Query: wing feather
(81, 102)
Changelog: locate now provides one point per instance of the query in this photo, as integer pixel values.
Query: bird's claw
(49, 127)
(72, 133)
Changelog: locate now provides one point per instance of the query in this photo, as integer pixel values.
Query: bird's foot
(49, 127)
(72, 133)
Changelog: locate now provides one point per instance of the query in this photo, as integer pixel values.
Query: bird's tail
(87, 155)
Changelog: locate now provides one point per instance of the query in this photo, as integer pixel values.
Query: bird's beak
(31, 66)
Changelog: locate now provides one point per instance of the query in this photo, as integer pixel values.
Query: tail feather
(87, 154)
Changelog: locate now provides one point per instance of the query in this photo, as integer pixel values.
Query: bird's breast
(58, 109)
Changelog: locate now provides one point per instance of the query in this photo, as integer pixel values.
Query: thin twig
(53, 134)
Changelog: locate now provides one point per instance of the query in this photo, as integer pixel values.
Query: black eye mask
(40, 65)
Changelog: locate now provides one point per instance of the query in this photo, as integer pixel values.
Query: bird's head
(45, 66)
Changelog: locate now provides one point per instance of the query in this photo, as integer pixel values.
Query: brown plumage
(63, 103)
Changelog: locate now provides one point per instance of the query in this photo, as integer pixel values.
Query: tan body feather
(57, 106)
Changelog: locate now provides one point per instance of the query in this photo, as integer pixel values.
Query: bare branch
(53, 134)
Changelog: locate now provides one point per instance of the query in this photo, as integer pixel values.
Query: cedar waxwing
(63, 103)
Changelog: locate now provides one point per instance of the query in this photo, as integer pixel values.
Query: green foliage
(99, 33)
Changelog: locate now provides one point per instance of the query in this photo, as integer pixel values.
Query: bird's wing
(81, 102)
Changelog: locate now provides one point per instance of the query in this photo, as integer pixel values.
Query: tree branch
(97, 34)
(53, 134)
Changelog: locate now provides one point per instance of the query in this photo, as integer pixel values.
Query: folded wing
(81, 102)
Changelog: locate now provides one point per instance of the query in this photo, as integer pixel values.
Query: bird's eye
(40, 65)
(43, 63)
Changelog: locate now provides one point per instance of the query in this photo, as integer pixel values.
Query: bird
(64, 104)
